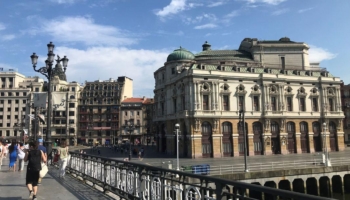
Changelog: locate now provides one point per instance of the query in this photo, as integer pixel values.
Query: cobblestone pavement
(12, 187)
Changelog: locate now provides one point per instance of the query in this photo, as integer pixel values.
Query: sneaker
(34, 197)
(31, 194)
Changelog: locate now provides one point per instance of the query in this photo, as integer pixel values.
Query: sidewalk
(12, 187)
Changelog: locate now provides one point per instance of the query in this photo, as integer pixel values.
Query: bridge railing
(139, 181)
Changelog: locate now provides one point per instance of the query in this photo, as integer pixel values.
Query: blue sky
(110, 38)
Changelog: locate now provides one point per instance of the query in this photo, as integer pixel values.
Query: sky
(109, 38)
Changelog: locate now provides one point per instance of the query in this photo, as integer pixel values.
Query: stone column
(217, 146)
(298, 143)
(196, 141)
(283, 143)
(340, 139)
(267, 144)
(311, 142)
(235, 145)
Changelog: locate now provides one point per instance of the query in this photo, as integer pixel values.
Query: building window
(240, 102)
(36, 89)
(331, 104)
(131, 113)
(71, 105)
(183, 103)
(225, 102)
(162, 107)
(126, 113)
(273, 104)
(302, 104)
(9, 101)
(175, 107)
(138, 113)
(138, 123)
(256, 103)
(283, 62)
(173, 70)
(73, 89)
(71, 113)
(7, 133)
(314, 104)
(205, 102)
(9, 109)
(289, 104)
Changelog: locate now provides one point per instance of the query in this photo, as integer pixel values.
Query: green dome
(180, 54)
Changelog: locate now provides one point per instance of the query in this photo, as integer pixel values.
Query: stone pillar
(340, 139)
(283, 143)
(311, 142)
(235, 145)
(298, 143)
(267, 144)
(196, 141)
(251, 144)
(217, 146)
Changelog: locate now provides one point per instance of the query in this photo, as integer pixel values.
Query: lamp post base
(48, 145)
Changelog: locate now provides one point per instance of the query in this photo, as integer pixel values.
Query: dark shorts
(32, 177)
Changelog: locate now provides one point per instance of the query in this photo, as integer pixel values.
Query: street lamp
(129, 127)
(242, 123)
(47, 71)
(325, 156)
(177, 128)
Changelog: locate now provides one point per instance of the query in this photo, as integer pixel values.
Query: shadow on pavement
(79, 189)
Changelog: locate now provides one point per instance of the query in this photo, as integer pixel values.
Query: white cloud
(7, 37)
(208, 16)
(216, 3)
(2, 26)
(206, 26)
(109, 62)
(174, 7)
(304, 10)
(234, 13)
(280, 12)
(318, 54)
(83, 30)
(270, 2)
(64, 1)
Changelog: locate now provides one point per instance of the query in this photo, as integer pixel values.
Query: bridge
(94, 177)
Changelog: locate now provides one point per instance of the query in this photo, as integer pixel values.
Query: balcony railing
(140, 181)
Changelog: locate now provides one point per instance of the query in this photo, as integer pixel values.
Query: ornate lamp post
(130, 128)
(326, 160)
(47, 71)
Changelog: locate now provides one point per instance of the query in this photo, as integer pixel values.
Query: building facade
(99, 105)
(137, 112)
(14, 92)
(345, 97)
(285, 99)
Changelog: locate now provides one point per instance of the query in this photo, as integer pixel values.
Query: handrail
(141, 181)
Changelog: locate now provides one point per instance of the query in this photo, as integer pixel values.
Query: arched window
(227, 138)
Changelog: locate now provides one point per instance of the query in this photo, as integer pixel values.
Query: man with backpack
(35, 157)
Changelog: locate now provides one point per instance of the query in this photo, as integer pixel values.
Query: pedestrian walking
(21, 155)
(63, 152)
(35, 157)
(13, 155)
(43, 149)
(2, 151)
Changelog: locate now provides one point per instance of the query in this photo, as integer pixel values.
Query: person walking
(63, 152)
(2, 151)
(35, 157)
(43, 149)
(21, 156)
(13, 155)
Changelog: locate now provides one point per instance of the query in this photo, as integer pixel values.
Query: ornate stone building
(345, 97)
(286, 100)
(99, 105)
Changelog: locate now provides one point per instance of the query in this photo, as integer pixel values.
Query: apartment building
(98, 109)
(137, 112)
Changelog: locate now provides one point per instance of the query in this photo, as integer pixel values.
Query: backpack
(34, 158)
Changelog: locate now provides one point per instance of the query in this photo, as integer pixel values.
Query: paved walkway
(12, 187)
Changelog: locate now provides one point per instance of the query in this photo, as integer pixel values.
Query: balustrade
(139, 181)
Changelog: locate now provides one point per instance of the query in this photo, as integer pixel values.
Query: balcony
(83, 112)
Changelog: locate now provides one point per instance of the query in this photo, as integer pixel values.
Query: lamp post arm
(44, 71)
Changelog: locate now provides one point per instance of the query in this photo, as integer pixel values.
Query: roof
(224, 54)
(134, 100)
(148, 101)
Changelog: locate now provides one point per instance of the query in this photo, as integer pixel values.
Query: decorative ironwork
(139, 181)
